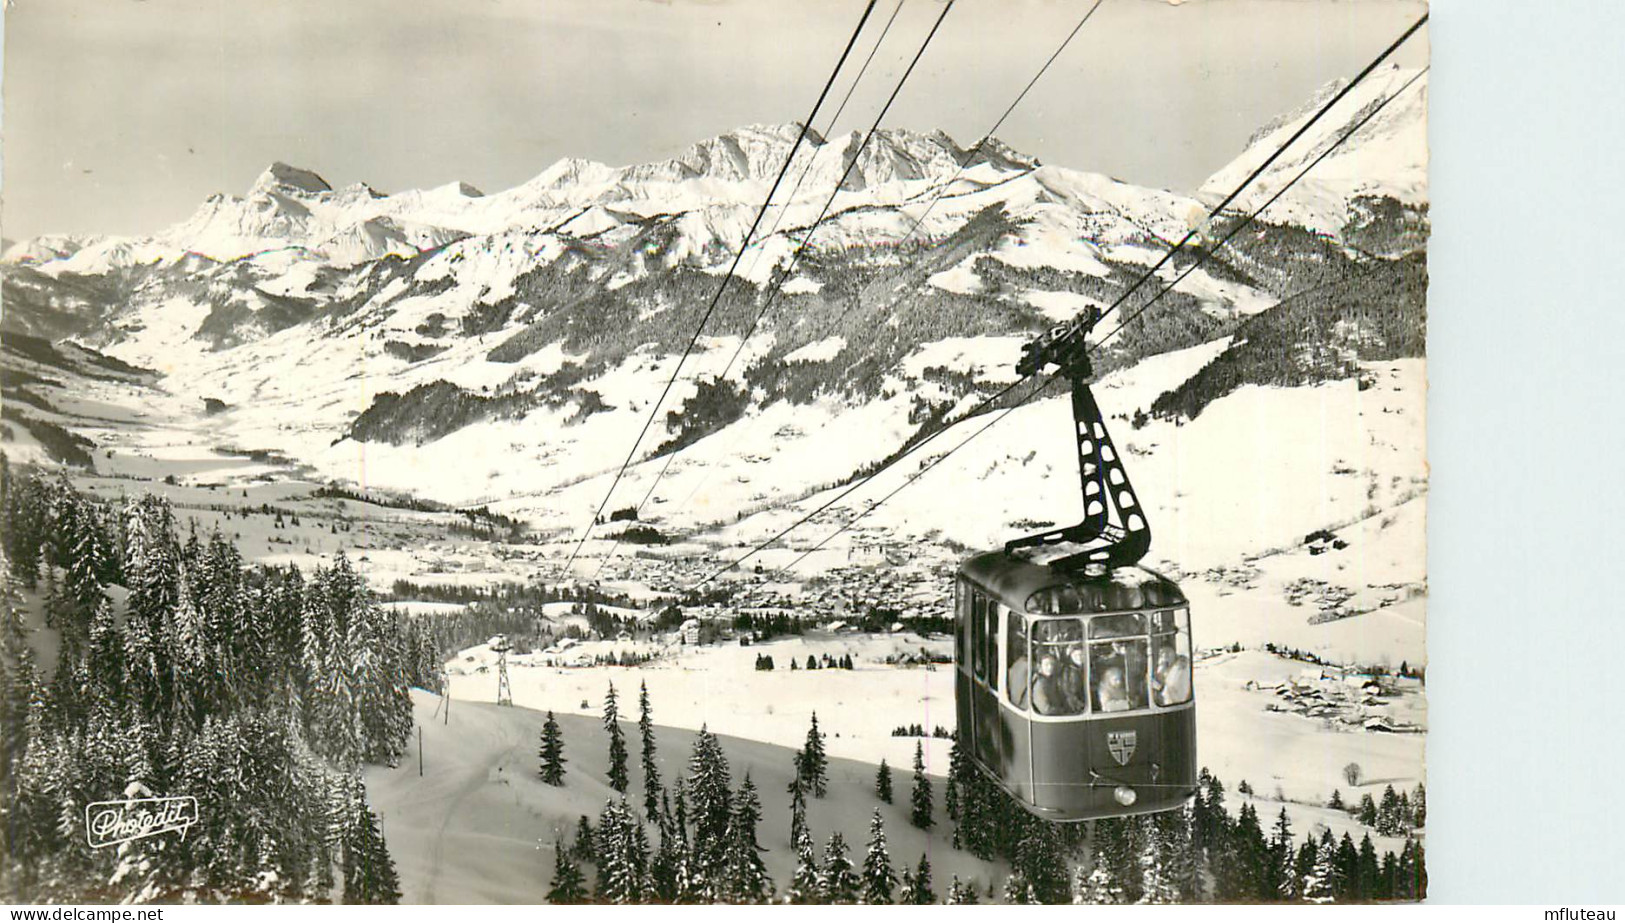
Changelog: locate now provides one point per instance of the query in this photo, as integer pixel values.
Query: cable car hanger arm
(1114, 531)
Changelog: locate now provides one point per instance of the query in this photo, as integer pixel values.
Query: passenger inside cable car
(1171, 683)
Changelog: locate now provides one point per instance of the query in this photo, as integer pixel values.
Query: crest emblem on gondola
(1121, 744)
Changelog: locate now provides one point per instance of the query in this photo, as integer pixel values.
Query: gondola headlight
(1125, 796)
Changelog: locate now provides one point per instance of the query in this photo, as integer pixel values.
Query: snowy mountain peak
(1385, 158)
(281, 177)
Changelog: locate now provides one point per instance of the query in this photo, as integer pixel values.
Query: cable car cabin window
(1059, 681)
(1119, 663)
(1171, 657)
(991, 634)
(1055, 600)
(961, 602)
(1019, 678)
(978, 628)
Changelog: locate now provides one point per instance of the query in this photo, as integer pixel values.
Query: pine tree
(1348, 868)
(1179, 856)
(552, 752)
(1018, 890)
(1336, 802)
(798, 810)
(1279, 881)
(978, 822)
(1419, 807)
(667, 862)
(617, 743)
(1038, 861)
(883, 782)
(585, 847)
(1388, 814)
(710, 801)
(1320, 885)
(919, 891)
(836, 880)
(746, 878)
(569, 885)
(1156, 886)
(1368, 810)
(1412, 881)
(651, 767)
(961, 893)
(878, 878)
(805, 883)
(1097, 886)
(956, 769)
(920, 801)
(1368, 871)
(1388, 877)
(815, 764)
(369, 873)
(623, 855)
(1240, 868)
(1303, 867)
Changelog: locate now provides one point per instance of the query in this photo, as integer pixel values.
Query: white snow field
(718, 686)
(479, 825)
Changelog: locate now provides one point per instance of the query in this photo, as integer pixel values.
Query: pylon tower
(500, 645)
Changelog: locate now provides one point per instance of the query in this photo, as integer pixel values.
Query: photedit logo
(108, 823)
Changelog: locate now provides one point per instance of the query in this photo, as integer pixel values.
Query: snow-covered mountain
(481, 347)
(1386, 159)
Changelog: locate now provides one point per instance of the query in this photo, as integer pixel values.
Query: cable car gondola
(1073, 663)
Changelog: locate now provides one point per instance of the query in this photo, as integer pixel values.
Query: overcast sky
(122, 115)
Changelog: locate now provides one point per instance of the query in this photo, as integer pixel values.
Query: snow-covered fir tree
(623, 855)
(667, 861)
(569, 886)
(1281, 878)
(1367, 872)
(618, 779)
(745, 878)
(879, 880)
(917, 887)
(651, 766)
(1390, 820)
(710, 805)
(1368, 810)
(1018, 890)
(369, 873)
(1097, 886)
(551, 752)
(961, 893)
(815, 765)
(883, 782)
(585, 846)
(837, 881)
(804, 882)
(1320, 886)
(798, 809)
(1156, 885)
(920, 800)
